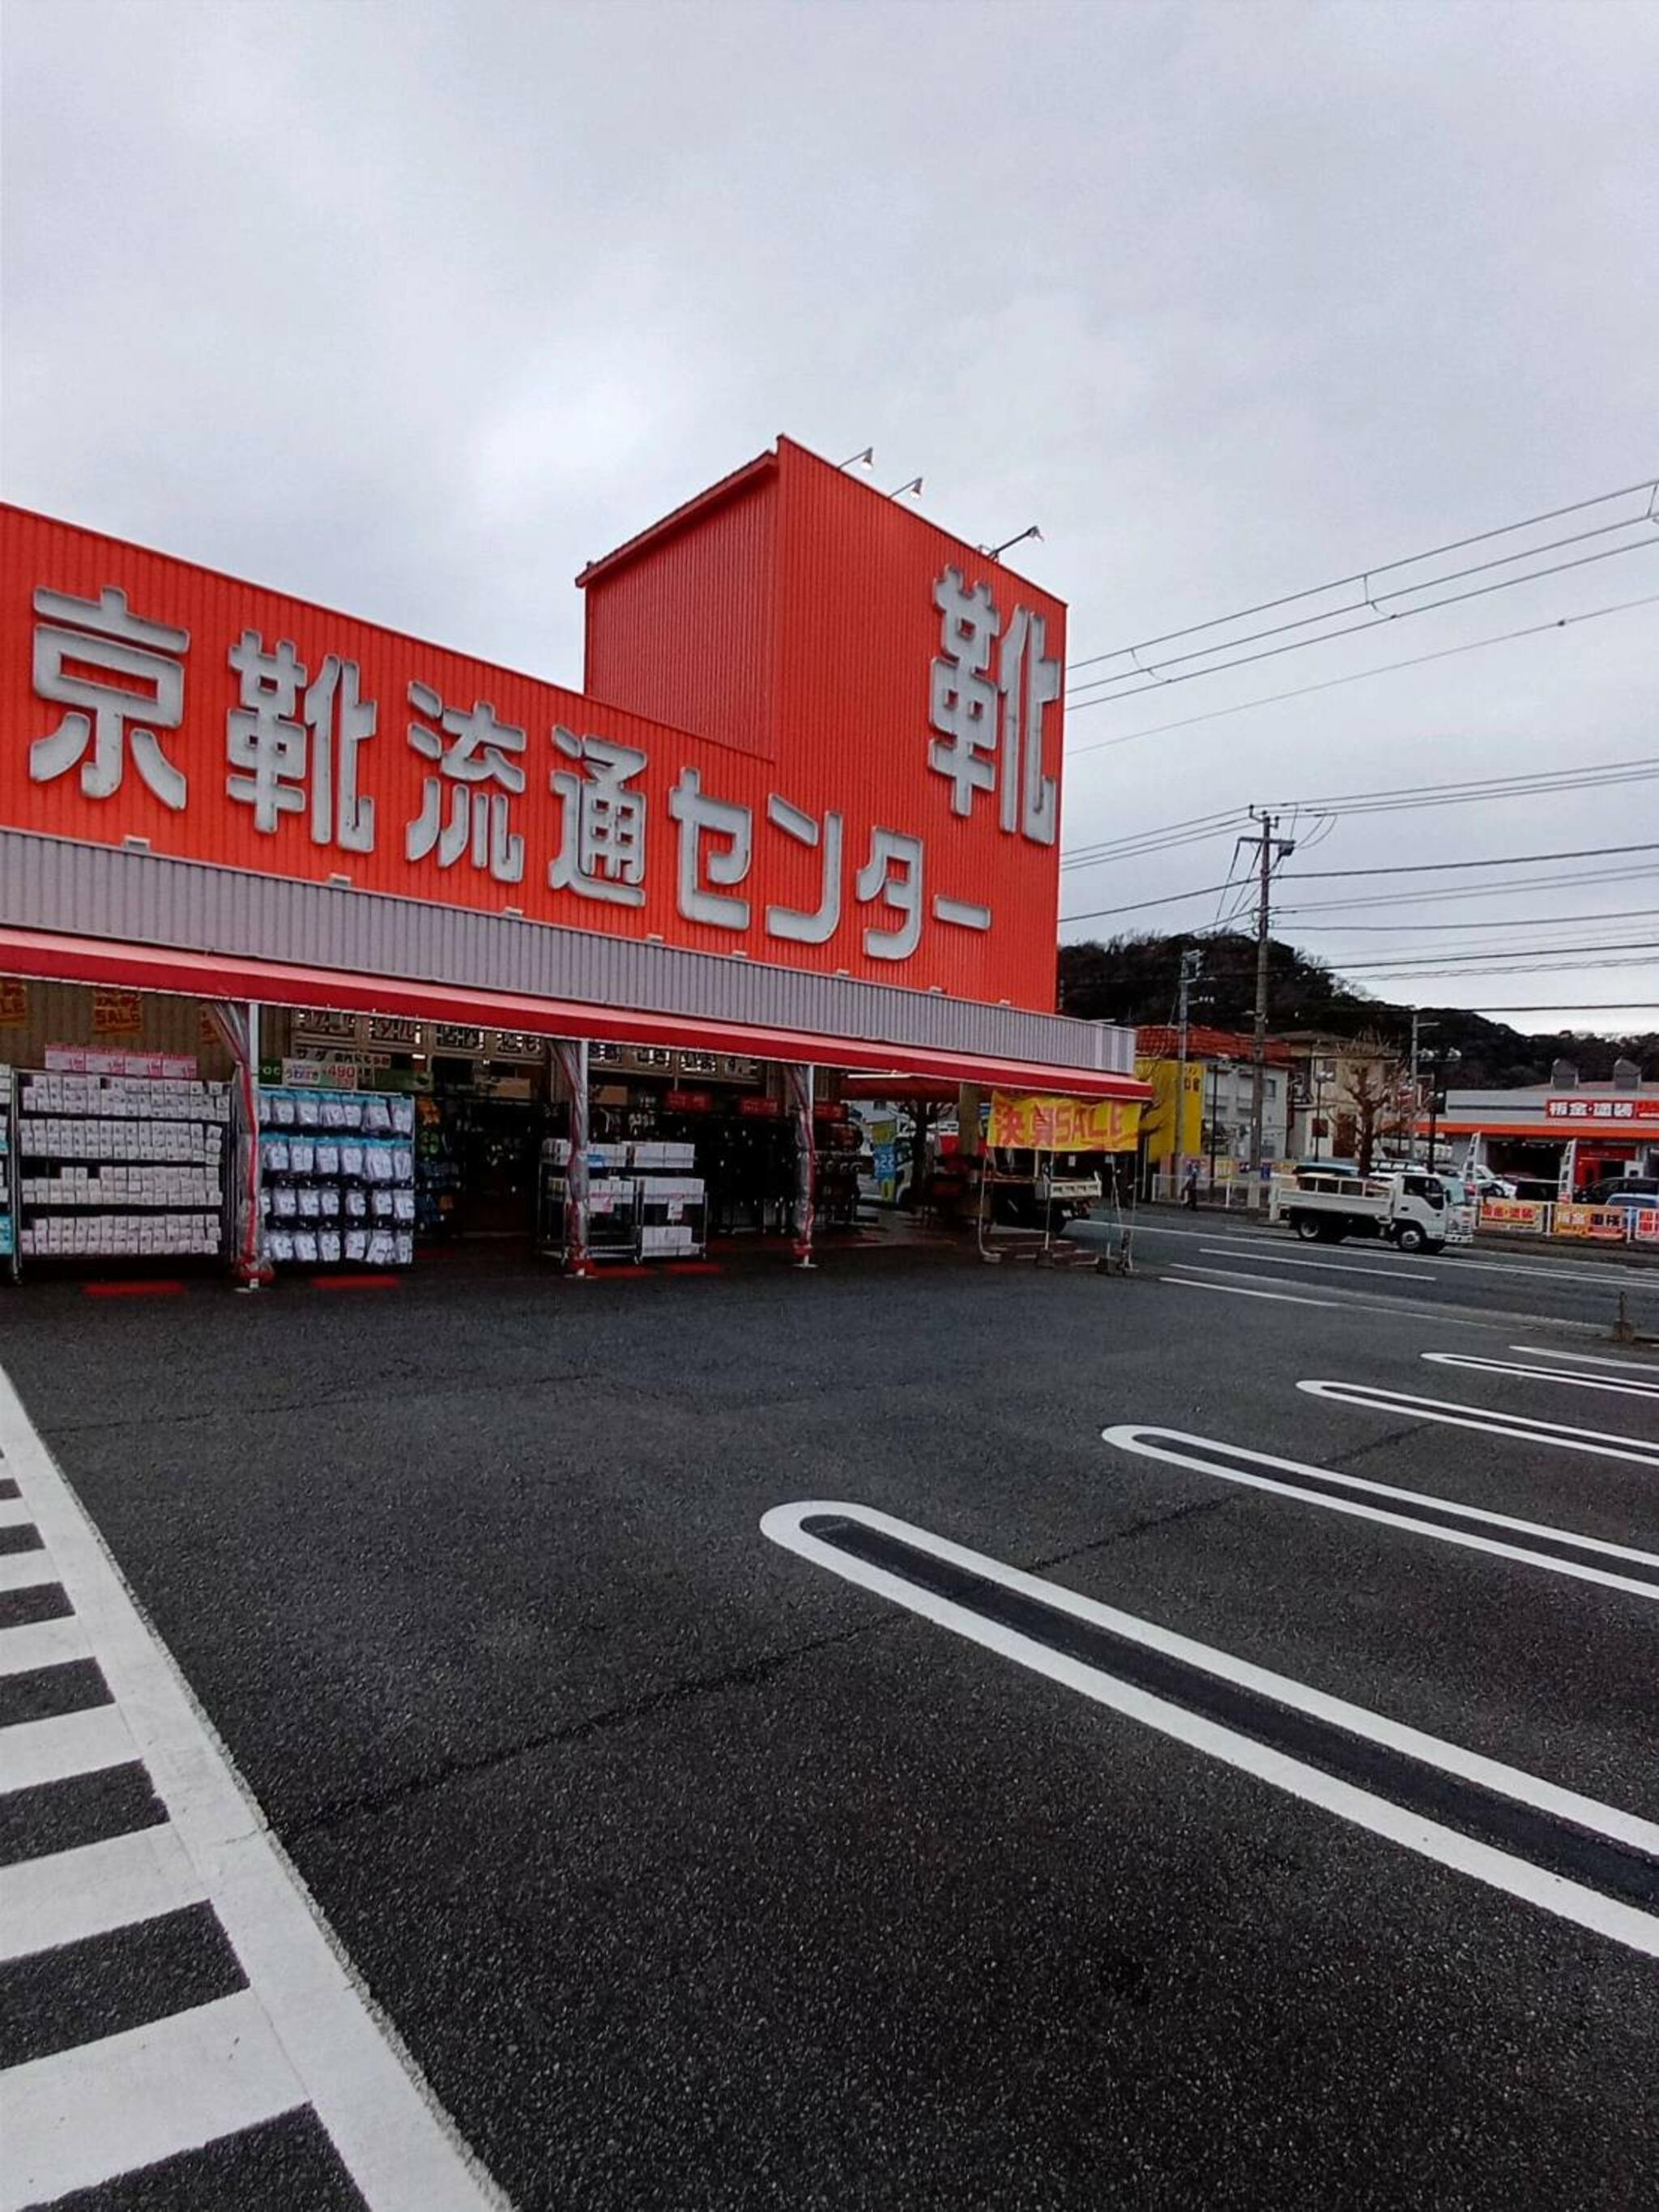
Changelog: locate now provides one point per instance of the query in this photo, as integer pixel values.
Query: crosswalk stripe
(33, 1752)
(15, 1514)
(97, 1886)
(26, 1570)
(42, 1644)
(85, 2115)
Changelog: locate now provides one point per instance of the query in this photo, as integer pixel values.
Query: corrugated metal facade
(95, 891)
(687, 635)
(844, 672)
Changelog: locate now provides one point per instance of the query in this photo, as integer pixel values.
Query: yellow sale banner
(1515, 1213)
(1065, 1125)
(1606, 1223)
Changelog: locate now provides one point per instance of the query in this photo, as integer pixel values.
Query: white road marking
(1554, 1894)
(1560, 1271)
(1131, 1437)
(1236, 1290)
(1543, 1374)
(1338, 1267)
(398, 2146)
(14, 1514)
(34, 1752)
(26, 1570)
(1371, 1398)
(1193, 1276)
(41, 1643)
(1650, 1367)
(69, 1895)
(99, 2109)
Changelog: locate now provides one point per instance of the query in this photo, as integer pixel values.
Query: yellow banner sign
(1065, 1125)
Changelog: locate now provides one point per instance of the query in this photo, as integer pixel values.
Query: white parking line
(1166, 1444)
(41, 1643)
(1371, 1398)
(55, 1750)
(98, 2109)
(305, 2031)
(68, 1895)
(1553, 1893)
(26, 1570)
(1649, 1390)
(14, 1514)
(1650, 1367)
(1340, 1266)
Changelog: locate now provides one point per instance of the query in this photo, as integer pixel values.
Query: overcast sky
(411, 308)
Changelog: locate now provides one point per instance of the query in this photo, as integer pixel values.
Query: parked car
(1617, 1189)
(1627, 1197)
(1483, 1183)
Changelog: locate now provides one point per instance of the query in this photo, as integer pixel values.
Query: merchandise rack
(336, 1176)
(644, 1202)
(117, 1166)
(10, 1255)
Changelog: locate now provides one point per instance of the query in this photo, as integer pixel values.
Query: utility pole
(1417, 1026)
(1270, 849)
(1192, 963)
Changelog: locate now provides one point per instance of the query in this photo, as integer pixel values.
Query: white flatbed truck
(1412, 1211)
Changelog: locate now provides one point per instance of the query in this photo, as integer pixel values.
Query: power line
(1473, 791)
(1312, 875)
(1569, 1006)
(1383, 568)
(1505, 860)
(1403, 614)
(1503, 921)
(1360, 675)
(1470, 957)
(1425, 897)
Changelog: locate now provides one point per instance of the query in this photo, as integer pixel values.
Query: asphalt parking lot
(761, 1744)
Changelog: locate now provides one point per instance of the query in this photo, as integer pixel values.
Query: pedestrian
(1189, 1188)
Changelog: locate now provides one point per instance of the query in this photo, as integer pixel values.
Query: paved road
(1260, 1813)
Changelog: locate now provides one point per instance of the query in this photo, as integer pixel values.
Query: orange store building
(803, 816)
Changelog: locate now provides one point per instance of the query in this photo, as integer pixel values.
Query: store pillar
(571, 1054)
(238, 1024)
(970, 1098)
(798, 1079)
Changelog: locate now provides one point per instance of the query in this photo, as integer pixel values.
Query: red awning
(200, 975)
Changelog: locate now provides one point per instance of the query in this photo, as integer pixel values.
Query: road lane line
(99, 2109)
(1340, 1266)
(88, 1891)
(42, 1644)
(1372, 1398)
(1560, 1271)
(1649, 1390)
(1559, 1551)
(34, 1752)
(1589, 1359)
(398, 2147)
(1192, 1276)
(948, 1584)
(1235, 1290)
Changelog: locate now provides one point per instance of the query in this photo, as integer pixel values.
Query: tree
(1373, 1090)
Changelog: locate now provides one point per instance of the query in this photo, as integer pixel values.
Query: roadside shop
(320, 945)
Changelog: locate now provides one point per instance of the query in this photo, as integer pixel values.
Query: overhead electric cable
(1649, 485)
(1157, 682)
(1359, 675)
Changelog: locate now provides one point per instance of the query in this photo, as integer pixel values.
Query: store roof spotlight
(914, 485)
(996, 552)
(867, 457)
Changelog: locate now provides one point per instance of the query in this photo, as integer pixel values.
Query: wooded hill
(1133, 979)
